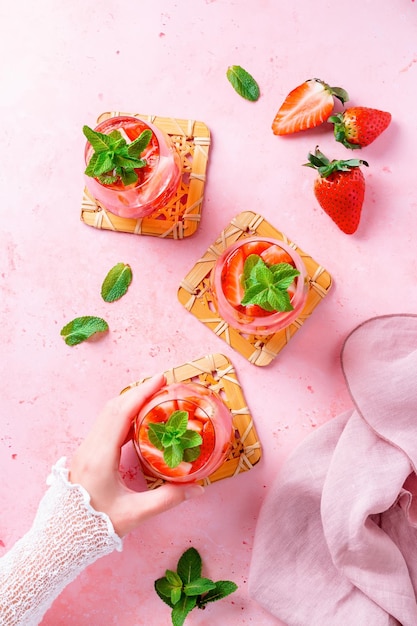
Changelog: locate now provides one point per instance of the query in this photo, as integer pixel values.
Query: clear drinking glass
(157, 182)
(227, 290)
(207, 414)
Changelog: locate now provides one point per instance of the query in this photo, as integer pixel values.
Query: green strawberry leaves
(82, 328)
(116, 283)
(243, 83)
(267, 286)
(175, 439)
(186, 588)
(113, 158)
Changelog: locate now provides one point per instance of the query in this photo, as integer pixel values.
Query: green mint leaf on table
(82, 328)
(174, 438)
(116, 283)
(222, 588)
(163, 590)
(182, 608)
(186, 589)
(242, 82)
(189, 566)
(267, 286)
(198, 586)
(114, 158)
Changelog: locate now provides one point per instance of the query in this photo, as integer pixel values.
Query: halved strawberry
(231, 278)
(357, 127)
(275, 254)
(254, 247)
(307, 106)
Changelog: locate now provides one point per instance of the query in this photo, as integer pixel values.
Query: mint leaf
(136, 148)
(197, 586)
(163, 586)
(222, 588)
(189, 565)
(177, 422)
(173, 578)
(128, 176)
(173, 455)
(99, 141)
(116, 283)
(191, 439)
(163, 590)
(191, 454)
(243, 83)
(250, 262)
(155, 435)
(82, 328)
(176, 593)
(267, 286)
(181, 609)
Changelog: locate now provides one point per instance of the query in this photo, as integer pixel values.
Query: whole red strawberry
(339, 189)
(357, 127)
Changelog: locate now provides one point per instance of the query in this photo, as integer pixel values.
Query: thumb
(146, 504)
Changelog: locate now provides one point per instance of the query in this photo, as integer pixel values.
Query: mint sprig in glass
(177, 442)
(267, 286)
(114, 158)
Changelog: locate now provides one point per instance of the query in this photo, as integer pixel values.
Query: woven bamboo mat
(181, 216)
(194, 291)
(216, 372)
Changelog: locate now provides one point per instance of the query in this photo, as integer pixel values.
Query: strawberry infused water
(133, 168)
(183, 433)
(259, 285)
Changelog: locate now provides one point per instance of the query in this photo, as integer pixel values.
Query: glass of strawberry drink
(183, 433)
(133, 170)
(259, 285)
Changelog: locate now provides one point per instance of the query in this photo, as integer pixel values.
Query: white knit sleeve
(66, 536)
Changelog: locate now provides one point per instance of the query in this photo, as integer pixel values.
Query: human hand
(95, 465)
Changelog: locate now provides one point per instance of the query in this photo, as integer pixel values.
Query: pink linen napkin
(336, 539)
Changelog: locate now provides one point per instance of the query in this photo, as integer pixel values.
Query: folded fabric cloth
(336, 539)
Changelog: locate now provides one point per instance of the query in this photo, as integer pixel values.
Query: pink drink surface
(157, 182)
(207, 415)
(228, 291)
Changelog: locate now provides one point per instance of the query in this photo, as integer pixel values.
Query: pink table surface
(62, 65)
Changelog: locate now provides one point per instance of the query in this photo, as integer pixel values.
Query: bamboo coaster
(216, 372)
(194, 291)
(181, 216)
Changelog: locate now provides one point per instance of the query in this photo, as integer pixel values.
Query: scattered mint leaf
(198, 586)
(182, 608)
(222, 588)
(245, 85)
(267, 286)
(189, 565)
(194, 590)
(113, 158)
(82, 328)
(174, 438)
(116, 283)
(163, 590)
(173, 578)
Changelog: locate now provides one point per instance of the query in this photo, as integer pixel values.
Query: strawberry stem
(338, 92)
(325, 167)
